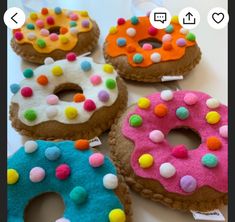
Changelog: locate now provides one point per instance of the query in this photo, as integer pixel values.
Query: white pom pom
(131, 32)
(31, 36)
(167, 95)
(74, 30)
(184, 31)
(156, 136)
(62, 220)
(30, 146)
(212, 103)
(51, 112)
(155, 57)
(167, 170)
(48, 61)
(166, 38)
(110, 181)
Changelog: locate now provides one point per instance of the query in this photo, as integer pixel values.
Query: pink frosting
(191, 165)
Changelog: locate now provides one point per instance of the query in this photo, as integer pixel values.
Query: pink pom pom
(89, 105)
(166, 38)
(62, 172)
(44, 32)
(50, 20)
(73, 17)
(152, 31)
(26, 92)
(95, 80)
(19, 36)
(147, 46)
(54, 37)
(96, 160)
(156, 136)
(180, 151)
(37, 174)
(52, 99)
(121, 21)
(223, 130)
(71, 56)
(40, 23)
(190, 98)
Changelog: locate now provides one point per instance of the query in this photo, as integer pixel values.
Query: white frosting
(72, 73)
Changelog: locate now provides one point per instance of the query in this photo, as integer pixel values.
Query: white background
(209, 76)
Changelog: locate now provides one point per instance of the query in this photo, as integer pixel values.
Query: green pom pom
(169, 29)
(209, 160)
(182, 113)
(138, 58)
(78, 195)
(135, 120)
(73, 24)
(134, 20)
(30, 26)
(41, 43)
(110, 83)
(30, 115)
(191, 37)
(28, 73)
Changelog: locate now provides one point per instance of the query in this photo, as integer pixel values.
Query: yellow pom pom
(84, 13)
(146, 160)
(143, 103)
(57, 71)
(12, 176)
(175, 19)
(117, 215)
(63, 39)
(113, 30)
(212, 117)
(33, 16)
(71, 112)
(108, 68)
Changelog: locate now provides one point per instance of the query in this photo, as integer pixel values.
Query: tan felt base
(100, 121)
(155, 72)
(204, 199)
(86, 43)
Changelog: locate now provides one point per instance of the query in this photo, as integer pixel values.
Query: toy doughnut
(54, 33)
(195, 179)
(38, 111)
(140, 52)
(87, 182)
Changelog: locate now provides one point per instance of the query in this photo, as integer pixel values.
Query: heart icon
(218, 17)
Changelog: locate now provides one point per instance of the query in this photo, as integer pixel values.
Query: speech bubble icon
(160, 17)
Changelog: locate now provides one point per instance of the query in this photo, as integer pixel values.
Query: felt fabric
(162, 152)
(100, 200)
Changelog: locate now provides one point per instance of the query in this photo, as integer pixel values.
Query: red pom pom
(71, 56)
(167, 46)
(152, 31)
(180, 151)
(121, 21)
(50, 20)
(44, 11)
(62, 172)
(26, 92)
(18, 36)
(89, 105)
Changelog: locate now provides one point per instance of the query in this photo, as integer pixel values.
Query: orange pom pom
(42, 80)
(130, 48)
(78, 97)
(161, 110)
(167, 46)
(63, 30)
(213, 143)
(82, 144)
(44, 11)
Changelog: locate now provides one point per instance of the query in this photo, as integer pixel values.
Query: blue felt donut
(85, 181)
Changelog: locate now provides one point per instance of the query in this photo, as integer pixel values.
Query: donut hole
(46, 207)
(187, 136)
(54, 29)
(152, 41)
(66, 91)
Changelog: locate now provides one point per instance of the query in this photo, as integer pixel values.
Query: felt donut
(54, 33)
(38, 110)
(140, 52)
(87, 181)
(181, 178)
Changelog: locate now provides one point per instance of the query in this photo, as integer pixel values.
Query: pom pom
(188, 183)
(71, 56)
(181, 42)
(184, 31)
(117, 215)
(175, 19)
(26, 92)
(191, 37)
(108, 68)
(57, 71)
(12, 176)
(62, 172)
(73, 30)
(63, 39)
(167, 46)
(78, 195)
(121, 42)
(52, 99)
(169, 29)
(182, 113)
(50, 20)
(131, 32)
(44, 11)
(212, 117)
(113, 30)
(37, 174)
(147, 46)
(82, 144)
(48, 61)
(89, 105)
(71, 112)
(85, 24)
(103, 96)
(213, 143)
(223, 130)
(138, 58)
(41, 43)
(44, 32)
(28, 73)
(52, 153)
(18, 36)
(166, 38)
(58, 10)
(86, 66)
(156, 136)
(73, 16)
(73, 24)
(110, 83)
(96, 160)
(212, 103)
(190, 99)
(33, 16)
(30, 26)
(30, 115)
(152, 31)
(79, 97)
(30, 146)
(31, 36)
(180, 151)
(135, 120)
(63, 30)
(95, 80)
(160, 110)
(84, 13)
(14, 88)
(62, 220)
(53, 37)
(167, 95)
(51, 112)
(145, 161)
(110, 181)
(130, 48)
(167, 170)
(121, 21)
(209, 160)
(155, 57)
(144, 103)
(134, 20)
(42, 80)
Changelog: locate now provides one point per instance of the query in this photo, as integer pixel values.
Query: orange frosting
(170, 50)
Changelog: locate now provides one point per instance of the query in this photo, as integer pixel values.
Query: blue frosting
(100, 201)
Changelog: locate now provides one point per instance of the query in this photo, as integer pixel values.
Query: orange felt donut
(134, 44)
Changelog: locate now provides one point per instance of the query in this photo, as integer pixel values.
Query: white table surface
(209, 76)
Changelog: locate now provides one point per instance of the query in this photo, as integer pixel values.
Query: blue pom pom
(121, 42)
(138, 58)
(169, 29)
(58, 10)
(182, 113)
(15, 88)
(78, 195)
(52, 153)
(86, 66)
(134, 20)
(73, 24)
